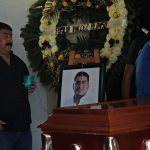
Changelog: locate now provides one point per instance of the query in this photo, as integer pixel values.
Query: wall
(42, 101)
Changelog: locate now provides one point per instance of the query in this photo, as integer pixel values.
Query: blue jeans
(15, 140)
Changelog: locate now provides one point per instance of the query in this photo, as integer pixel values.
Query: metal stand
(110, 144)
(46, 142)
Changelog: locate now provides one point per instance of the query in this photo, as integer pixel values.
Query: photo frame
(76, 89)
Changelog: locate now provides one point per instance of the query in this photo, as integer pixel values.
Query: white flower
(115, 32)
(54, 49)
(42, 39)
(48, 29)
(46, 52)
(44, 24)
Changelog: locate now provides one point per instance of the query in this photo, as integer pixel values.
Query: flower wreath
(51, 14)
(47, 51)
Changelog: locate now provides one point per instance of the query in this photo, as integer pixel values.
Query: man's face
(81, 86)
(5, 41)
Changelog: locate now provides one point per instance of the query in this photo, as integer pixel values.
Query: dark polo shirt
(14, 104)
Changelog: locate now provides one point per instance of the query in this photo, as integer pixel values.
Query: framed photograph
(81, 84)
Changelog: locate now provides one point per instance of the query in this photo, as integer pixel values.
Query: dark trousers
(15, 140)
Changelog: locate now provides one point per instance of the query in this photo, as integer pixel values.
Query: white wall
(14, 12)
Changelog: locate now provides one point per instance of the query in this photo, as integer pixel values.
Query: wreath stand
(84, 60)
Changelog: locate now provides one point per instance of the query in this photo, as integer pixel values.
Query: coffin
(88, 126)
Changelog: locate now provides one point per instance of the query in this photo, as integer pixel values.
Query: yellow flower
(77, 56)
(51, 64)
(61, 57)
(54, 3)
(88, 4)
(73, 1)
(65, 3)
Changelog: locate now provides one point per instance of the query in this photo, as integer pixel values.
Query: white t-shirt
(83, 100)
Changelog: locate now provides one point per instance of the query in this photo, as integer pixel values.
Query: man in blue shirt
(143, 72)
(128, 83)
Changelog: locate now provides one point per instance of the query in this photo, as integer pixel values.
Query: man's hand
(1, 124)
(32, 89)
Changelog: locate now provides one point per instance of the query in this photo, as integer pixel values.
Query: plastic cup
(29, 81)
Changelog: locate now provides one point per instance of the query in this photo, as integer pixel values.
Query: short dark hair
(144, 16)
(81, 73)
(5, 26)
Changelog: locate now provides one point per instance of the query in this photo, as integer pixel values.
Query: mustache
(8, 44)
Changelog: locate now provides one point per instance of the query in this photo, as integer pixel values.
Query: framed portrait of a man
(81, 84)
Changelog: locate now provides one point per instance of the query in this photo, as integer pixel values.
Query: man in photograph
(80, 88)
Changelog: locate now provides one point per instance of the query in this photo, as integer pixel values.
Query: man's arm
(126, 82)
(1, 124)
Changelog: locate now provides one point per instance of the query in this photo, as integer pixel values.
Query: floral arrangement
(48, 47)
(51, 14)
(114, 43)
